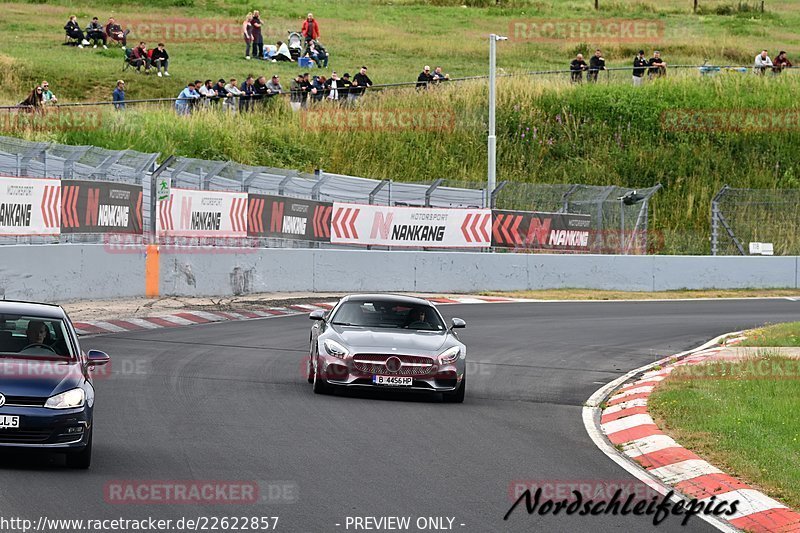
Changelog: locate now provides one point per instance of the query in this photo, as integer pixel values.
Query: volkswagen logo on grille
(393, 364)
(2, 400)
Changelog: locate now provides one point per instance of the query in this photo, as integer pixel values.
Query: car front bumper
(442, 378)
(47, 428)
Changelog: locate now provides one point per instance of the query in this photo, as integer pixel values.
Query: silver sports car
(396, 342)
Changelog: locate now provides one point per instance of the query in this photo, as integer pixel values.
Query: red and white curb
(662, 463)
(190, 318)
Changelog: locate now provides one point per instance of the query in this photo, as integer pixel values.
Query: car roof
(393, 297)
(36, 309)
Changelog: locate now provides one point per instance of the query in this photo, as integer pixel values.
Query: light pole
(492, 140)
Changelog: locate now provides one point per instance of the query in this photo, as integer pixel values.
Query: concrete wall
(69, 271)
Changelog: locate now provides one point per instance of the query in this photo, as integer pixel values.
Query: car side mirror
(319, 314)
(458, 324)
(97, 358)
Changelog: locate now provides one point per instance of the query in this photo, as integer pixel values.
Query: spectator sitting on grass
(160, 59)
(596, 64)
(781, 62)
(762, 62)
(310, 29)
(95, 32)
(74, 31)
(318, 53)
(119, 96)
(274, 85)
(34, 100)
(115, 33)
(576, 68)
(47, 95)
(425, 78)
(140, 58)
(283, 52)
(231, 103)
(658, 67)
(439, 76)
(186, 100)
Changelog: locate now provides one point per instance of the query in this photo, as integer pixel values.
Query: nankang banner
(411, 226)
(100, 207)
(288, 218)
(30, 206)
(191, 213)
(541, 231)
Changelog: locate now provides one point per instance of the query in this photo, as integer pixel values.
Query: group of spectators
(158, 57)
(426, 78)
(303, 89)
(40, 96)
(763, 63)
(96, 33)
(252, 31)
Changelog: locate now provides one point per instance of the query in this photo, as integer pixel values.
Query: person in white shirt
(208, 93)
(231, 104)
(762, 62)
(283, 53)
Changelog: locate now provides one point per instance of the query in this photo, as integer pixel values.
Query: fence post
(493, 195)
(430, 190)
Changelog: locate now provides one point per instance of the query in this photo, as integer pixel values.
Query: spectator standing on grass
(361, 83)
(425, 78)
(576, 68)
(762, 62)
(247, 33)
(310, 29)
(231, 103)
(345, 89)
(48, 98)
(307, 89)
(274, 85)
(296, 93)
(248, 90)
(160, 59)
(318, 84)
(115, 33)
(596, 64)
(186, 99)
(639, 66)
(439, 76)
(73, 30)
(208, 93)
(658, 67)
(781, 62)
(34, 100)
(95, 32)
(118, 96)
(256, 35)
(332, 87)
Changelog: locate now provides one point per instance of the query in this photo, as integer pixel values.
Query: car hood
(365, 340)
(38, 378)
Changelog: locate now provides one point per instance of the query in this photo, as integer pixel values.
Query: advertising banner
(30, 206)
(100, 207)
(541, 231)
(410, 226)
(192, 213)
(288, 218)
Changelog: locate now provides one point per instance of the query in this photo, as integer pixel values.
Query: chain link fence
(619, 215)
(743, 216)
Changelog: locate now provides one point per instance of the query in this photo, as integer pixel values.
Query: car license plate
(9, 422)
(393, 381)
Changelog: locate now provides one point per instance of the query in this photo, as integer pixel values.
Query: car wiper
(345, 324)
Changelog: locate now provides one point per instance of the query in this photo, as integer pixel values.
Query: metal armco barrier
(101, 207)
(288, 218)
(541, 231)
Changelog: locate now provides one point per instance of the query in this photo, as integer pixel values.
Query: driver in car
(37, 332)
(417, 319)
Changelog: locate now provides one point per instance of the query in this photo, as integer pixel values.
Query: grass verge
(747, 427)
(777, 335)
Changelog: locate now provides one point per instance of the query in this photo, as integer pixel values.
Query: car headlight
(335, 349)
(448, 357)
(67, 400)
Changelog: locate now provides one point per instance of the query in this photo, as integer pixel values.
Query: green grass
(787, 334)
(747, 427)
(606, 134)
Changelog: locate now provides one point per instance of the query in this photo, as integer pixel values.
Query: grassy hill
(609, 133)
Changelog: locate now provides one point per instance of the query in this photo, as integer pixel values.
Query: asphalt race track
(230, 402)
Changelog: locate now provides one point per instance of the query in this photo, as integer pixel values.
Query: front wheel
(457, 396)
(320, 385)
(82, 459)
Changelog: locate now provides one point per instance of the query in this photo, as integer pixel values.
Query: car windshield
(30, 336)
(388, 314)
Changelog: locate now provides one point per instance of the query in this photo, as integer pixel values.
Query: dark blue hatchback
(46, 390)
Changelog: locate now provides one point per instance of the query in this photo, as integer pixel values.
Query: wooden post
(597, 4)
(695, 6)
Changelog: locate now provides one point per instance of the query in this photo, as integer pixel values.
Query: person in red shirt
(781, 62)
(310, 28)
